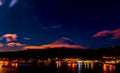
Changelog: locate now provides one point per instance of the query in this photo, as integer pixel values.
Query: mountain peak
(64, 40)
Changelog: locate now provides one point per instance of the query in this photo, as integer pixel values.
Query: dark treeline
(62, 53)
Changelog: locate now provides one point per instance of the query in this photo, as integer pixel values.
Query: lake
(58, 67)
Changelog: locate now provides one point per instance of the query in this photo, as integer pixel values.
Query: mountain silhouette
(64, 40)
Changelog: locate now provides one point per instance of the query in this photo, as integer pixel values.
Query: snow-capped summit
(64, 40)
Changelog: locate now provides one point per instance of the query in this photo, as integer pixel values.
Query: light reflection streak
(8, 64)
(1, 2)
(108, 68)
(79, 67)
(92, 66)
(74, 65)
(69, 66)
(14, 65)
(5, 63)
(47, 63)
(0, 64)
(87, 66)
(58, 64)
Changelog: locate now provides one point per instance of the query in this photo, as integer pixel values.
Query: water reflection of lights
(87, 66)
(111, 68)
(5, 63)
(14, 65)
(47, 63)
(107, 68)
(8, 64)
(74, 65)
(79, 64)
(69, 66)
(0, 64)
(79, 67)
(92, 65)
(58, 64)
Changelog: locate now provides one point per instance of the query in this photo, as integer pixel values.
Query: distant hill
(62, 52)
(115, 50)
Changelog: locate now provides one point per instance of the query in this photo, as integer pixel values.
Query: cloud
(115, 33)
(11, 40)
(12, 44)
(1, 3)
(10, 47)
(13, 2)
(26, 38)
(1, 45)
(9, 37)
(102, 33)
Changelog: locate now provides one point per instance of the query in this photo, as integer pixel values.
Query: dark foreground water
(58, 67)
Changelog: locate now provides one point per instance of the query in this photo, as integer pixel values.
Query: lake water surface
(59, 67)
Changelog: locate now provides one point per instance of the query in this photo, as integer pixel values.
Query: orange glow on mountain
(55, 46)
(60, 43)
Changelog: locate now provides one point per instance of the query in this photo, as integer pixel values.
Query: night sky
(38, 22)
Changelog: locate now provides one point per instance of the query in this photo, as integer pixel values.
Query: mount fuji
(63, 42)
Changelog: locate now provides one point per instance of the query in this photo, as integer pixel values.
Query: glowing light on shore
(54, 46)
